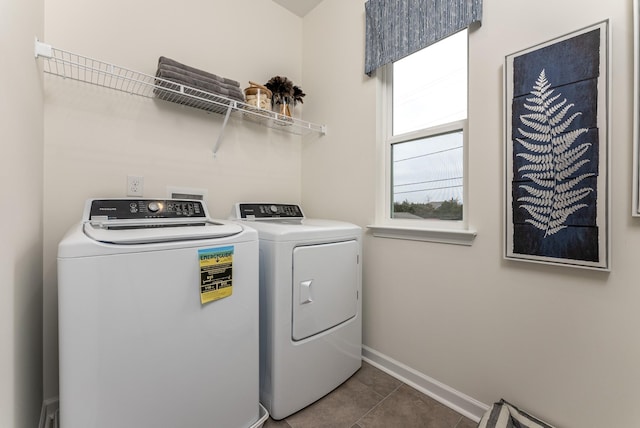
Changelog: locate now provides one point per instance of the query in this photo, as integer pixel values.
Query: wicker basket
(258, 96)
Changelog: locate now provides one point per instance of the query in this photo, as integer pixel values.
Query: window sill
(443, 236)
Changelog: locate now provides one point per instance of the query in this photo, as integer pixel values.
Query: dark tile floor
(373, 399)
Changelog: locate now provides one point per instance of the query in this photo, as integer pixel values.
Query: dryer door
(325, 287)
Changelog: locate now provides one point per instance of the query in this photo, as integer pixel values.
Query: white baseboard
(49, 413)
(455, 400)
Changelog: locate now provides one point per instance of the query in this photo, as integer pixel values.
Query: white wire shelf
(69, 65)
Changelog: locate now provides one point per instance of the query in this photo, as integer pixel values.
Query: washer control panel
(265, 211)
(140, 209)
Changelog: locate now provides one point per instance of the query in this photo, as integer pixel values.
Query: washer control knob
(153, 207)
(273, 208)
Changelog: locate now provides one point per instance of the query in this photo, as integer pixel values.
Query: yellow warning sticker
(216, 273)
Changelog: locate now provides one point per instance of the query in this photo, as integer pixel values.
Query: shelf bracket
(42, 49)
(224, 125)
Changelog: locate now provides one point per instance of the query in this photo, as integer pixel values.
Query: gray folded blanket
(199, 77)
(194, 82)
(168, 61)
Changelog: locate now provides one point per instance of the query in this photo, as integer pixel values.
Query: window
(424, 109)
(427, 177)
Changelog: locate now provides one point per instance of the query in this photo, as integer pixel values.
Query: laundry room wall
(21, 133)
(338, 175)
(560, 342)
(95, 137)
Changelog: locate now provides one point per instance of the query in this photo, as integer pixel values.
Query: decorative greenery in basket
(285, 93)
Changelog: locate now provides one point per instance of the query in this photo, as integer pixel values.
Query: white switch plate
(135, 185)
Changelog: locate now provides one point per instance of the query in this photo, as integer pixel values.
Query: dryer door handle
(305, 292)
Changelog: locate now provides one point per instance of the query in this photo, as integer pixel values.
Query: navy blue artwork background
(572, 69)
(576, 243)
(569, 61)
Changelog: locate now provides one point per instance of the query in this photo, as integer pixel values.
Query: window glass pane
(430, 86)
(427, 177)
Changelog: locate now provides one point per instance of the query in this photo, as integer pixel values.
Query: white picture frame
(557, 151)
(635, 204)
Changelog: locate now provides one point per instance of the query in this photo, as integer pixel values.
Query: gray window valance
(397, 28)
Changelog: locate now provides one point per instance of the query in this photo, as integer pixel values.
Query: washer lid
(141, 233)
(138, 221)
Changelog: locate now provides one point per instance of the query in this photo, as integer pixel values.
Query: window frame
(432, 230)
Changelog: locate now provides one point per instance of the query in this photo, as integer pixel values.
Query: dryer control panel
(266, 211)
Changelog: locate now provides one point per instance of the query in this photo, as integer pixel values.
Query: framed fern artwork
(557, 151)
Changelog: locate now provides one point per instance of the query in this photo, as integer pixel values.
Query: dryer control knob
(273, 208)
(153, 207)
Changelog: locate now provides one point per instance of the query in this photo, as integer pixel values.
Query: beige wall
(560, 342)
(21, 207)
(95, 137)
(338, 174)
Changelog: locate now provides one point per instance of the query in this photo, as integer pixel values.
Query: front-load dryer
(158, 318)
(310, 304)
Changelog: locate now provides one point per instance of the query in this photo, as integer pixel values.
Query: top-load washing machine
(158, 318)
(310, 304)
